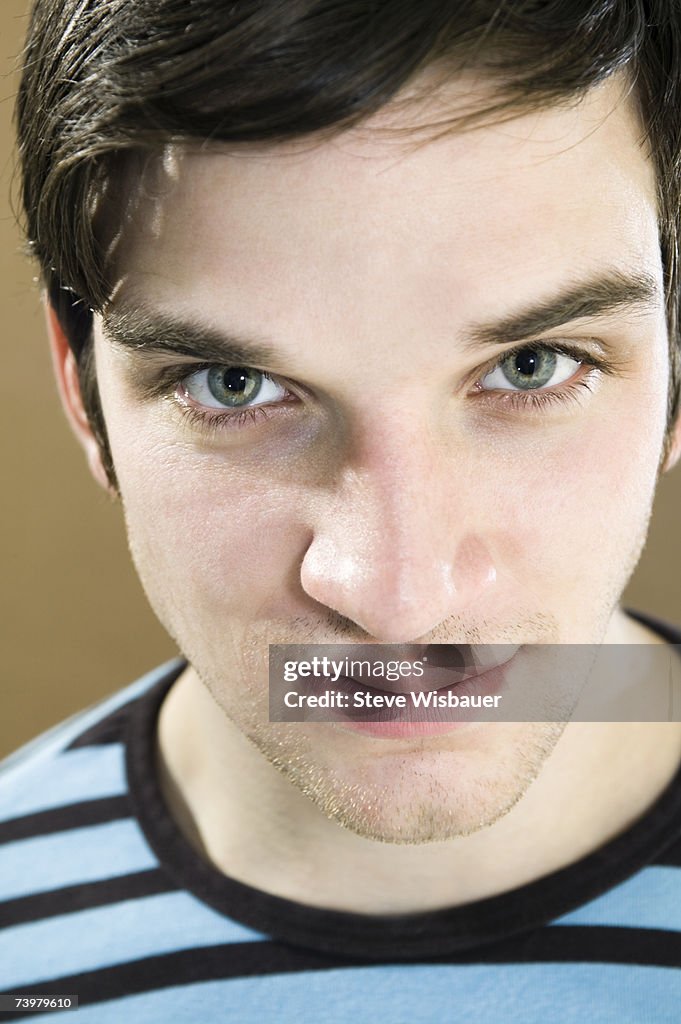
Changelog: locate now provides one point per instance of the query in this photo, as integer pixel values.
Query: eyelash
(540, 399)
(537, 400)
(212, 421)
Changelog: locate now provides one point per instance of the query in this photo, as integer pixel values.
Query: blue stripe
(415, 994)
(85, 774)
(650, 899)
(67, 858)
(103, 936)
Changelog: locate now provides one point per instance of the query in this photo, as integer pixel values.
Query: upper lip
(445, 665)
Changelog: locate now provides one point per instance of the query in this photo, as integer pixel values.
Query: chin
(420, 795)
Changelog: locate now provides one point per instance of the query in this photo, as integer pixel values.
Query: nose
(395, 546)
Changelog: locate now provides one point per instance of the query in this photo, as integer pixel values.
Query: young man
(368, 316)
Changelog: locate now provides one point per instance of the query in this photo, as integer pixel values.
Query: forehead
(475, 217)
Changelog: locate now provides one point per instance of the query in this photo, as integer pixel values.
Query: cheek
(575, 504)
(210, 536)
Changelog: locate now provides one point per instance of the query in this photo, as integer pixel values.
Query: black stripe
(86, 896)
(69, 816)
(671, 857)
(109, 730)
(648, 947)
(113, 727)
(185, 967)
(559, 944)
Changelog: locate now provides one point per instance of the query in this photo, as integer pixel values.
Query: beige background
(75, 623)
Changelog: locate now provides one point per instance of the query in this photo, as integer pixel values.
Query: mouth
(460, 685)
(390, 690)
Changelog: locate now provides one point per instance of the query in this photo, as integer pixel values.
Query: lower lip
(490, 683)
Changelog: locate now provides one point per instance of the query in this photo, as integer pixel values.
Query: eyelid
(560, 346)
(164, 380)
(183, 390)
(566, 367)
(538, 400)
(573, 350)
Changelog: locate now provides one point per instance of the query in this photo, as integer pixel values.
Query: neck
(245, 817)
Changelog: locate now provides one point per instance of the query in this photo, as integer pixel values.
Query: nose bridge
(391, 547)
(380, 523)
(402, 483)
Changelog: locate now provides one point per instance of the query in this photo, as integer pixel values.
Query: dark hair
(105, 80)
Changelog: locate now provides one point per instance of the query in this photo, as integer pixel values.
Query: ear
(674, 447)
(66, 372)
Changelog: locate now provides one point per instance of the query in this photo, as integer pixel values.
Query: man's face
(443, 450)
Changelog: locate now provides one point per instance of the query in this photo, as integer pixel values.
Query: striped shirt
(101, 896)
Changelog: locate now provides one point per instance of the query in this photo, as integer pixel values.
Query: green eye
(232, 387)
(528, 369)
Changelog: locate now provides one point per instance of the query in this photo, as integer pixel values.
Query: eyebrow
(151, 332)
(148, 332)
(610, 292)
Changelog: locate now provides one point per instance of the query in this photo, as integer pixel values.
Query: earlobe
(68, 384)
